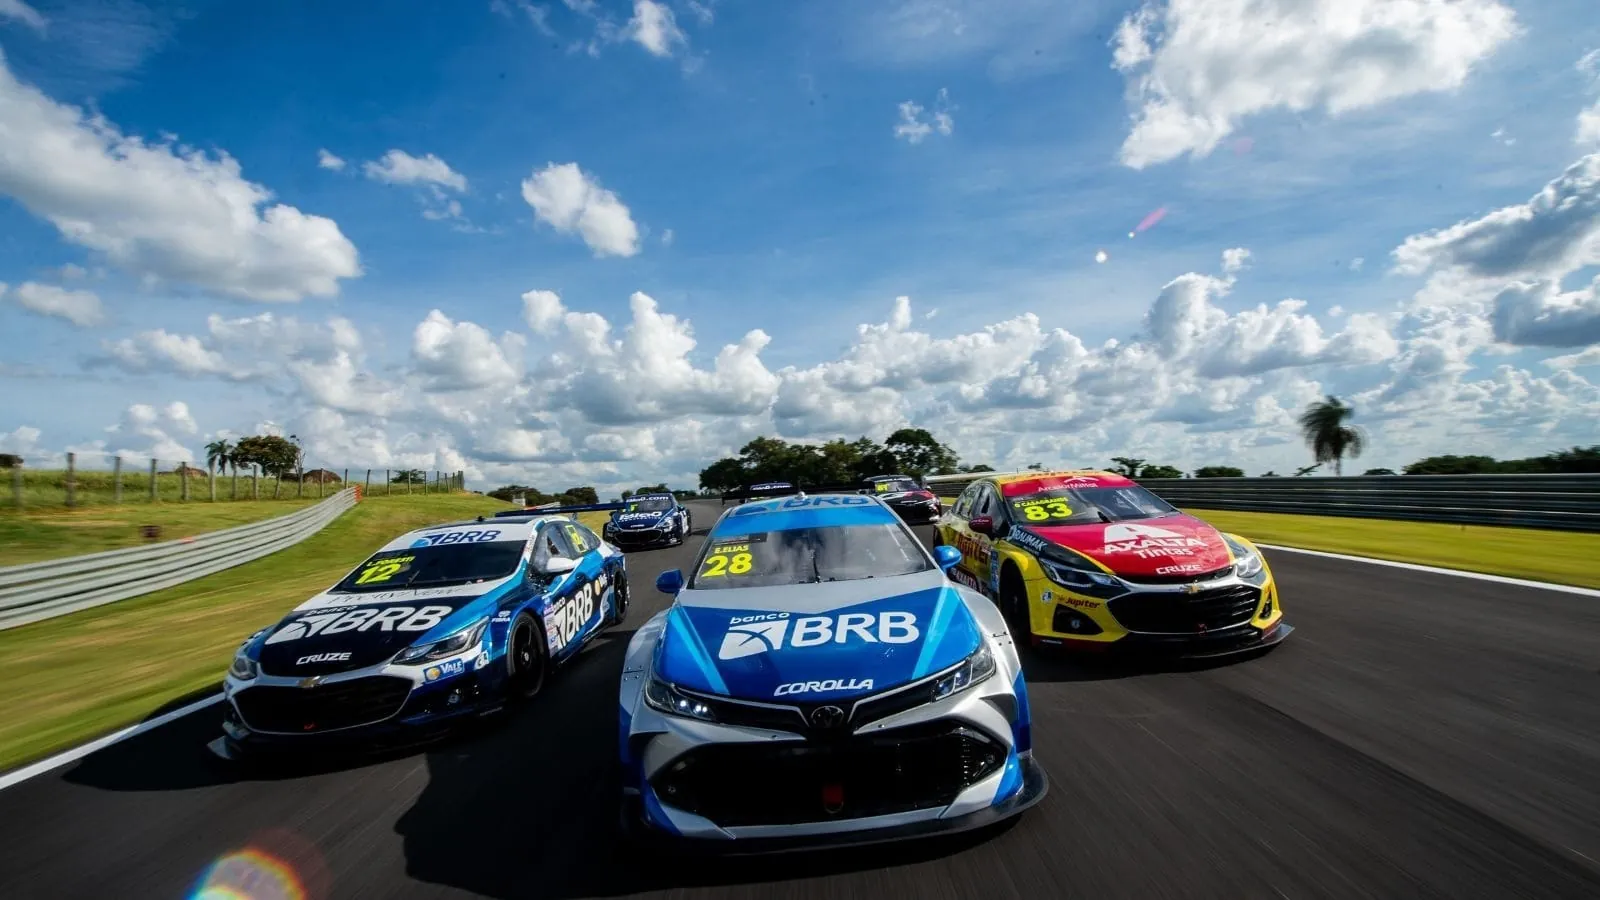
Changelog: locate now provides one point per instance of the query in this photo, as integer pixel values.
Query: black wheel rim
(529, 675)
(622, 597)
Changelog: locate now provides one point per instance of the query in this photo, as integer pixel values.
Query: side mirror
(670, 582)
(557, 565)
(946, 556)
(982, 524)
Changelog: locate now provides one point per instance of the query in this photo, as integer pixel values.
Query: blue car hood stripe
(774, 655)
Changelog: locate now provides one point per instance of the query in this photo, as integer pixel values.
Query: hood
(1171, 545)
(807, 643)
(340, 632)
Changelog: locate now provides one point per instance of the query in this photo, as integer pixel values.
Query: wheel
(1014, 606)
(619, 601)
(526, 660)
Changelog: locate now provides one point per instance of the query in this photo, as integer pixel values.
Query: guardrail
(44, 590)
(1557, 502)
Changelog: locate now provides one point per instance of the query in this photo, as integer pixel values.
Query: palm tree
(1329, 438)
(217, 454)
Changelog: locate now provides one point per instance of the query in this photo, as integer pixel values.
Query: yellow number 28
(719, 564)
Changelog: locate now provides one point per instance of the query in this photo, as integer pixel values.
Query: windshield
(809, 555)
(653, 504)
(1075, 505)
(894, 485)
(434, 566)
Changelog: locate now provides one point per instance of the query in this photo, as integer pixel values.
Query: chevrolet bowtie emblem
(1192, 588)
(311, 682)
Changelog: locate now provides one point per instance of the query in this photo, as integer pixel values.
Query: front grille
(1201, 578)
(924, 766)
(340, 704)
(1173, 613)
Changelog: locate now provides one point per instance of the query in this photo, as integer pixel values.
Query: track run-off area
(1420, 735)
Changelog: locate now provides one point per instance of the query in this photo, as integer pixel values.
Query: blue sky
(740, 164)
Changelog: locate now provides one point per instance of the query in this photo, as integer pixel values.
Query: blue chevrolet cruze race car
(440, 624)
(647, 520)
(818, 680)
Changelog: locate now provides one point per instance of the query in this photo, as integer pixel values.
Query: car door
(955, 531)
(575, 605)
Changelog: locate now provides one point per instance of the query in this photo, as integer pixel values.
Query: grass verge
(74, 678)
(35, 535)
(1563, 557)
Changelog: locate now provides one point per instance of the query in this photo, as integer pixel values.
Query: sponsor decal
(1148, 541)
(322, 658)
(994, 570)
(362, 619)
(446, 669)
(482, 661)
(1078, 602)
(456, 537)
(770, 632)
(1046, 597)
(801, 503)
(1025, 538)
(503, 615)
(962, 577)
(566, 619)
(1179, 569)
(830, 684)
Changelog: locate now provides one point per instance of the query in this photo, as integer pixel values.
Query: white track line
(1477, 576)
(77, 753)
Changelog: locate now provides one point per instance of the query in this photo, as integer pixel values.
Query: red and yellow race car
(1090, 560)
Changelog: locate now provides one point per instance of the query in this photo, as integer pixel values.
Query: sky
(607, 242)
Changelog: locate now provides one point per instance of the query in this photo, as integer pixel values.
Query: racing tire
(619, 602)
(1014, 607)
(527, 664)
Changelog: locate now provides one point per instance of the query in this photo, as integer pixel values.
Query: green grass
(38, 534)
(1563, 557)
(74, 678)
(47, 488)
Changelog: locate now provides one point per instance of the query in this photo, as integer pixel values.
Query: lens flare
(249, 874)
(1156, 216)
(1100, 256)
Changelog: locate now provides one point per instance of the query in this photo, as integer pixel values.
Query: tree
(980, 467)
(1160, 472)
(1270, 474)
(1330, 439)
(408, 476)
(584, 494)
(218, 453)
(1306, 470)
(275, 455)
(1127, 466)
(1453, 465)
(920, 454)
(7, 460)
(1219, 472)
(725, 474)
(1036, 467)
(1378, 472)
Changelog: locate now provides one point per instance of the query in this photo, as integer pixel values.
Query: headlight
(663, 697)
(973, 670)
(445, 646)
(244, 668)
(1247, 563)
(1082, 578)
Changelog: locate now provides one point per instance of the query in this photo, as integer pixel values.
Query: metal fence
(97, 479)
(1558, 502)
(44, 590)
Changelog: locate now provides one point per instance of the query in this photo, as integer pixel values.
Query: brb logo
(763, 632)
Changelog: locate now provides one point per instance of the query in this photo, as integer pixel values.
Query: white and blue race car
(646, 520)
(818, 681)
(440, 624)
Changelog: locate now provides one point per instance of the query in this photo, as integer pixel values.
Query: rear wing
(560, 510)
(754, 492)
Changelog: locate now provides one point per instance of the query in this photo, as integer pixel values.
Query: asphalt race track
(1419, 736)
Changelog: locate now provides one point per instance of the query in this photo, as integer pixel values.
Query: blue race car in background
(441, 623)
(818, 681)
(647, 520)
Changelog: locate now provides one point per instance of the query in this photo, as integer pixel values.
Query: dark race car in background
(905, 495)
(648, 520)
(440, 624)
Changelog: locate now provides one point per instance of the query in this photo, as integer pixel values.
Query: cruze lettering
(322, 658)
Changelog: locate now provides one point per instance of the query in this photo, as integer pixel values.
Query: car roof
(803, 511)
(509, 529)
(650, 497)
(1020, 483)
(889, 478)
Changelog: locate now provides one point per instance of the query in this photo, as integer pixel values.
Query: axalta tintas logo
(764, 632)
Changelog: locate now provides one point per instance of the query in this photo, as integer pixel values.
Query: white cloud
(538, 15)
(654, 28)
(81, 308)
(1234, 259)
(1541, 315)
(1588, 133)
(400, 167)
(22, 12)
(1199, 67)
(162, 211)
(72, 272)
(542, 310)
(159, 350)
(242, 349)
(566, 198)
(667, 237)
(1587, 357)
(1357, 263)
(326, 160)
(914, 128)
(153, 429)
(463, 355)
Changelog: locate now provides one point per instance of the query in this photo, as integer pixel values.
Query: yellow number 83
(1055, 509)
(718, 564)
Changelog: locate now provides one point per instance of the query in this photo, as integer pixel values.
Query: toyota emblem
(827, 717)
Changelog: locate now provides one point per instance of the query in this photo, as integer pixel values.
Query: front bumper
(867, 831)
(1247, 639)
(643, 538)
(1219, 617)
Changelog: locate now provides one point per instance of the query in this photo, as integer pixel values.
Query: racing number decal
(732, 560)
(1046, 510)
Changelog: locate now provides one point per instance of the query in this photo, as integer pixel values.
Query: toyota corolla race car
(819, 681)
(648, 520)
(441, 623)
(915, 503)
(1091, 560)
